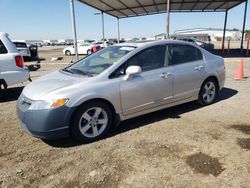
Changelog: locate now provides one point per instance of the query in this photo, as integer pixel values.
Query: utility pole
(168, 19)
(118, 30)
(244, 26)
(103, 35)
(73, 20)
(103, 32)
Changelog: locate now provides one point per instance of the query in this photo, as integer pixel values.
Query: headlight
(42, 105)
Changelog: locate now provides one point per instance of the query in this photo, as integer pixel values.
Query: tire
(91, 121)
(89, 52)
(1, 92)
(68, 53)
(208, 92)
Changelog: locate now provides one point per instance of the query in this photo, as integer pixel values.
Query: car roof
(153, 43)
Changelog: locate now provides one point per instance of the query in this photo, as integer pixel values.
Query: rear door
(188, 69)
(151, 88)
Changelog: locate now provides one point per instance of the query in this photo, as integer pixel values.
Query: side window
(3, 50)
(149, 59)
(119, 71)
(184, 54)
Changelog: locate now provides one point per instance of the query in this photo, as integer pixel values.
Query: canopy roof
(131, 8)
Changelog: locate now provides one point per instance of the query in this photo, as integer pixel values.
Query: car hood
(51, 83)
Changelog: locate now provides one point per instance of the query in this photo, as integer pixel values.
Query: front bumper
(44, 124)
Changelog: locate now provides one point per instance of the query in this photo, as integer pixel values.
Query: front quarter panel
(107, 90)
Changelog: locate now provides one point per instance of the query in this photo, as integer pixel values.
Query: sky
(50, 19)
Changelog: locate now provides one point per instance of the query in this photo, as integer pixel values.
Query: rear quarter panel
(215, 67)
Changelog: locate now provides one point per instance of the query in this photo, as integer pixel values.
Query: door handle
(165, 75)
(199, 67)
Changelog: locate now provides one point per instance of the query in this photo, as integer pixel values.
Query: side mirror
(131, 71)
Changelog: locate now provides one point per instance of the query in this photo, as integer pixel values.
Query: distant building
(161, 36)
(210, 34)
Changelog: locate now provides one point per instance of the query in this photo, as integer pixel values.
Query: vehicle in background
(50, 42)
(205, 45)
(89, 41)
(119, 82)
(33, 51)
(23, 48)
(68, 43)
(83, 48)
(115, 41)
(39, 44)
(12, 70)
(61, 42)
(102, 44)
(95, 48)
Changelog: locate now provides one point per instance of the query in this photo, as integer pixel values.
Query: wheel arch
(213, 77)
(3, 83)
(116, 116)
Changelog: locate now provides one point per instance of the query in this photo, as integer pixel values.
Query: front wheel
(91, 121)
(208, 92)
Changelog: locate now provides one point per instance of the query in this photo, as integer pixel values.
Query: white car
(12, 70)
(23, 48)
(83, 48)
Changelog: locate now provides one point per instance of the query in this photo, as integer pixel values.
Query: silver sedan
(117, 83)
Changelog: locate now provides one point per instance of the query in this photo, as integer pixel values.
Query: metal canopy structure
(132, 8)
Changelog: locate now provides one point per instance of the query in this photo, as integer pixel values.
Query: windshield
(100, 61)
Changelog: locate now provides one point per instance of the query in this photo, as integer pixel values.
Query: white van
(12, 70)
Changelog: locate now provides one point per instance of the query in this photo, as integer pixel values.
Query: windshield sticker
(127, 48)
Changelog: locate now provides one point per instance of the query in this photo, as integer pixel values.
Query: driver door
(153, 86)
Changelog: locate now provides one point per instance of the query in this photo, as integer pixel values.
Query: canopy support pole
(168, 19)
(103, 32)
(73, 22)
(244, 24)
(118, 30)
(224, 33)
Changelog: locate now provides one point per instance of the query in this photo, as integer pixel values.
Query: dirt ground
(183, 146)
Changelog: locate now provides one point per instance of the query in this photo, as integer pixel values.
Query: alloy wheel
(93, 122)
(209, 92)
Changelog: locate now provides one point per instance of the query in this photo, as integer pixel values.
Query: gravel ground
(183, 146)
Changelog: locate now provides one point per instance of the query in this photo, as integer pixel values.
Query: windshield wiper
(67, 70)
(81, 72)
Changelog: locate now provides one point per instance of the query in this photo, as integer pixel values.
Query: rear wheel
(91, 121)
(89, 52)
(208, 92)
(68, 53)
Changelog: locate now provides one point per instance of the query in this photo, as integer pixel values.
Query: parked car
(205, 45)
(33, 51)
(102, 44)
(11, 64)
(83, 48)
(117, 83)
(23, 48)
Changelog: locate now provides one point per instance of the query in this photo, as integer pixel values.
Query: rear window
(184, 53)
(20, 44)
(3, 49)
